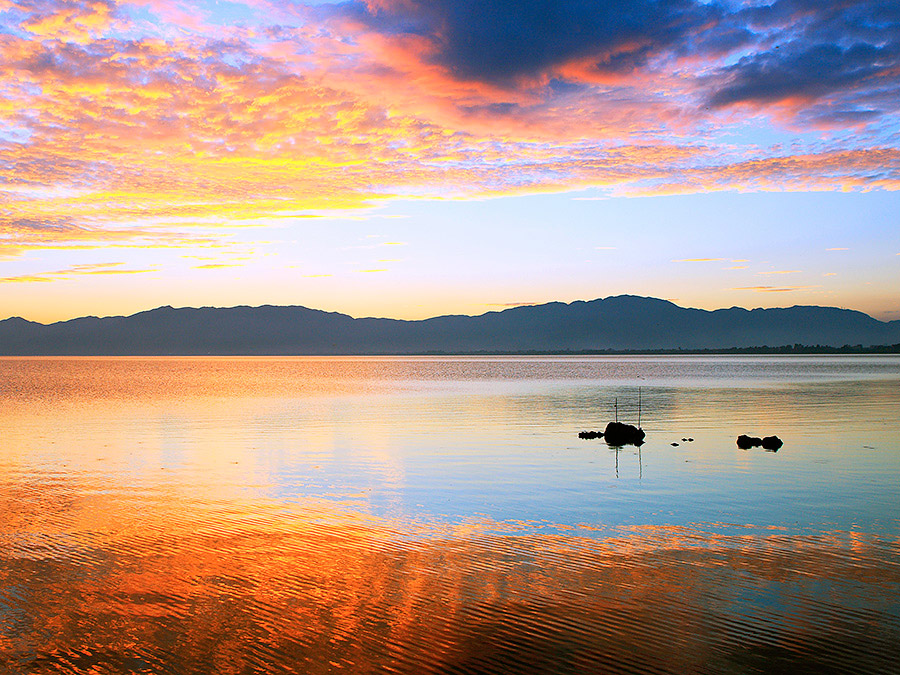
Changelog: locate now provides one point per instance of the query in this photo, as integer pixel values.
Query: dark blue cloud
(500, 40)
(841, 56)
(808, 71)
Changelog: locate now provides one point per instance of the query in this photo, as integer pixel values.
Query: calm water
(440, 515)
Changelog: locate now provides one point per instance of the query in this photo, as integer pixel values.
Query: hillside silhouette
(616, 323)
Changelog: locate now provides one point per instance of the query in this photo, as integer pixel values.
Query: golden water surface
(440, 515)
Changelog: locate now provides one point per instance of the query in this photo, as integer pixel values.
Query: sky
(411, 158)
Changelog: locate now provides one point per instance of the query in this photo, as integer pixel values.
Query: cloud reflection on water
(158, 585)
(368, 515)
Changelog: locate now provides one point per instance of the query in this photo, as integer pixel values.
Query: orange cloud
(215, 266)
(75, 271)
(77, 22)
(774, 289)
(119, 133)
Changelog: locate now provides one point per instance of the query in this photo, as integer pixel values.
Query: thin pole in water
(617, 408)
(639, 407)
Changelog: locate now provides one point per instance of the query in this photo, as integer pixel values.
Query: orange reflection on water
(160, 585)
(261, 515)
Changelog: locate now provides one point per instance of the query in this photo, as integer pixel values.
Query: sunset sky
(410, 158)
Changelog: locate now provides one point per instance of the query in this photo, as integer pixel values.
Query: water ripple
(440, 516)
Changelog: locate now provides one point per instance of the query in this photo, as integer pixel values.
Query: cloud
(774, 289)
(699, 260)
(154, 124)
(831, 63)
(809, 73)
(55, 224)
(73, 21)
(77, 271)
(822, 64)
(856, 169)
(505, 40)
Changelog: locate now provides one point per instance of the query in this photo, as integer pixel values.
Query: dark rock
(590, 434)
(772, 443)
(684, 440)
(690, 440)
(745, 442)
(675, 445)
(618, 433)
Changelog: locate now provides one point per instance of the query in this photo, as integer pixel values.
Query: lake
(441, 515)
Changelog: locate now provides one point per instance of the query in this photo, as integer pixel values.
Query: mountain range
(622, 322)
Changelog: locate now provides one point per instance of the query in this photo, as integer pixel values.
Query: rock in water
(745, 442)
(772, 443)
(618, 433)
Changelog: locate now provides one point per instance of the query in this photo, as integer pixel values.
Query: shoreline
(784, 350)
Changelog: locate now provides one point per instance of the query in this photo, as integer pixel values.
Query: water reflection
(636, 451)
(441, 516)
(249, 588)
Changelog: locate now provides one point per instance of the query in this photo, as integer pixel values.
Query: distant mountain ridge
(624, 322)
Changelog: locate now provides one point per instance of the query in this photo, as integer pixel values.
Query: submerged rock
(590, 434)
(618, 433)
